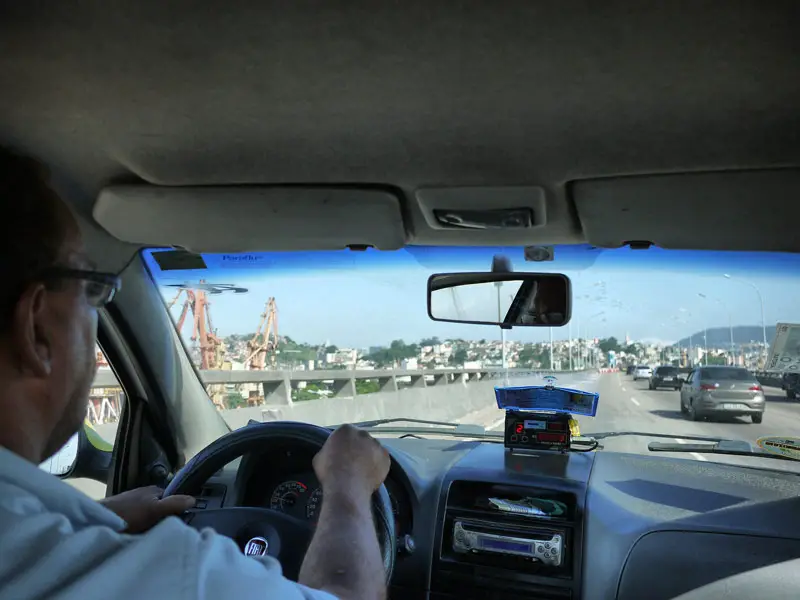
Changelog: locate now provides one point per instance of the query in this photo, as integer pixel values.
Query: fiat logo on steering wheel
(257, 546)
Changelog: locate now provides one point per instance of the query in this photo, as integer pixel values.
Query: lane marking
(497, 423)
(635, 401)
(623, 389)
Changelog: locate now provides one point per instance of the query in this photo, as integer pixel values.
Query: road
(626, 405)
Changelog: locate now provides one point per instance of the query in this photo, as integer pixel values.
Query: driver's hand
(351, 462)
(142, 508)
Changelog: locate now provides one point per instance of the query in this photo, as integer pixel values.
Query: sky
(364, 299)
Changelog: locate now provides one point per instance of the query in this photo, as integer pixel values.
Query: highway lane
(626, 405)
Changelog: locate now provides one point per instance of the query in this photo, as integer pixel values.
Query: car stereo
(539, 545)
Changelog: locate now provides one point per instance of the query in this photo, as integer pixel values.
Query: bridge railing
(276, 386)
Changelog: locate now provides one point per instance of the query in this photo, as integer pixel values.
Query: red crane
(204, 336)
(265, 339)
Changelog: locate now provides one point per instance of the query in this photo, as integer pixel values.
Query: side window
(106, 399)
(82, 460)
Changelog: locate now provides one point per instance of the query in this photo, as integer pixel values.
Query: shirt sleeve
(222, 571)
(44, 556)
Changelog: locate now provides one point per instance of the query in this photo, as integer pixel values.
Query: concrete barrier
(450, 402)
(436, 403)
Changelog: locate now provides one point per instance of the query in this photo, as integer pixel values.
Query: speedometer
(314, 504)
(286, 496)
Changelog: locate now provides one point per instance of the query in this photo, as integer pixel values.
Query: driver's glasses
(100, 288)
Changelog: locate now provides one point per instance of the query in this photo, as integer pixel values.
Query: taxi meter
(540, 417)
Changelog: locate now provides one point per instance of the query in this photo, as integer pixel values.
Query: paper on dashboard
(784, 353)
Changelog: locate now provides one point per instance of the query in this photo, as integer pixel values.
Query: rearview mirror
(504, 299)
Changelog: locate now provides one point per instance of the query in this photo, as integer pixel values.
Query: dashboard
(477, 521)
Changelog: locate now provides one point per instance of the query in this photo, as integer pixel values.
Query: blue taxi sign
(547, 398)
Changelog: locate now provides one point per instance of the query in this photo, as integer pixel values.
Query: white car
(642, 372)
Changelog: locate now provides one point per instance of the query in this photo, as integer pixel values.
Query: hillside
(721, 337)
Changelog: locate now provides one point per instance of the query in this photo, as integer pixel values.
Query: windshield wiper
(672, 436)
(730, 447)
(453, 429)
(377, 422)
(718, 445)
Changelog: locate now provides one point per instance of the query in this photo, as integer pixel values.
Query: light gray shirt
(57, 543)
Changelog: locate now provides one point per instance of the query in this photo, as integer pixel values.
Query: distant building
(410, 364)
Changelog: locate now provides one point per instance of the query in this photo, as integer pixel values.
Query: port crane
(265, 340)
(204, 337)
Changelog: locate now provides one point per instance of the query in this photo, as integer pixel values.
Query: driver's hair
(31, 229)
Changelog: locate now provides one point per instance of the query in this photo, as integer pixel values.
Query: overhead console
(502, 540)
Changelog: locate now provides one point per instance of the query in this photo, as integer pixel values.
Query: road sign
(784, 353)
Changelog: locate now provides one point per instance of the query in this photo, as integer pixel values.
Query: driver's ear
(31, 340)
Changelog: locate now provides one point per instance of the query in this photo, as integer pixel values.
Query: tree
(634, 349)
(331, 349)
(527, 356)
(367, 386)
(433, 341)
(235, 400)
(460, 356)
(609, 345)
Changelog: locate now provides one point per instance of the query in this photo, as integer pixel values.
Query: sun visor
(732, 210)
(247, 219)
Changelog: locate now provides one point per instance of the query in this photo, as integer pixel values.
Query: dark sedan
(665, 377)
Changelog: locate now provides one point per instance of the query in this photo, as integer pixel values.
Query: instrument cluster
(300, 495)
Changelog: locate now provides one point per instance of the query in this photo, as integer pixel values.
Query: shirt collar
(54, 494)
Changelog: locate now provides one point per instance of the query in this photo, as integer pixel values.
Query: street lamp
(705, 335)
(498, 285)
(590, 356)
(730, 323)
(686, 322)
(760, 300)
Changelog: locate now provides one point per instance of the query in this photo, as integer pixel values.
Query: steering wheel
(262, 530)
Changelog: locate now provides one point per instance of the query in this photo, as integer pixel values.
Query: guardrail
(277, 385)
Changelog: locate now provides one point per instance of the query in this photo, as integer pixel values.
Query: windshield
(729, 374)
(330, 337)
